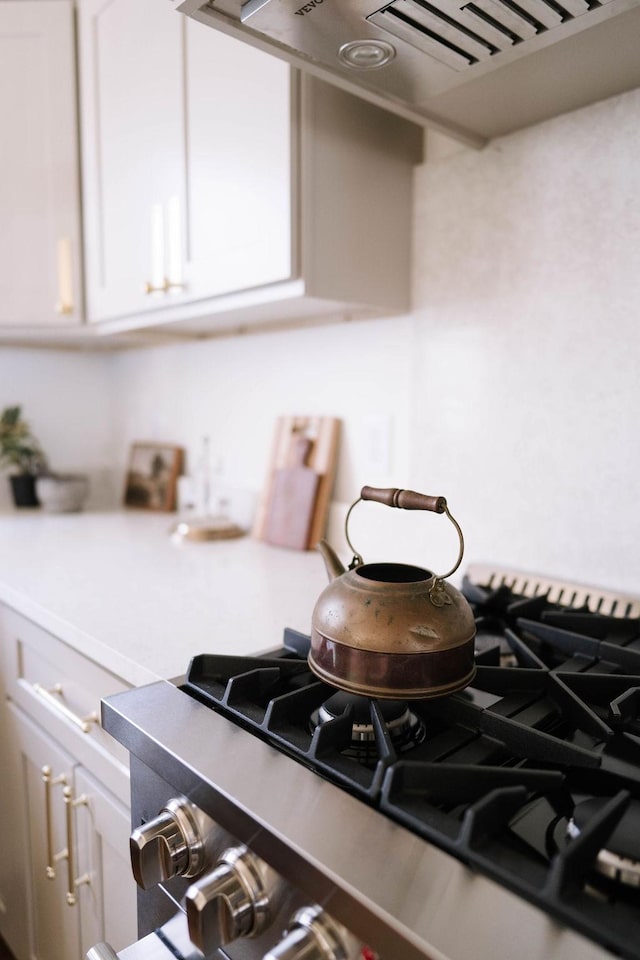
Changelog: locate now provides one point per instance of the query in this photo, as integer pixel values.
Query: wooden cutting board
(322, 433)
(294, 493)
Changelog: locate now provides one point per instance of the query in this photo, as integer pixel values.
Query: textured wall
(513, 388)
(527, 358)
(234, 389)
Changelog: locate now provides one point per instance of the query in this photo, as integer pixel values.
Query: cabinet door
(55, 926)
(131, 85)
(39, 183)
(187, 160)
(108, 902)
(240, 165)
(13, 919)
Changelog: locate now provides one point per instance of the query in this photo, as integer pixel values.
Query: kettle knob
(232, 901)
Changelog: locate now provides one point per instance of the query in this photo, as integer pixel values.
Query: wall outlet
(377, 431)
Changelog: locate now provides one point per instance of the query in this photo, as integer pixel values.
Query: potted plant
(21, 454)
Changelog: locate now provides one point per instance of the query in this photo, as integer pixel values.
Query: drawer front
(61, 689)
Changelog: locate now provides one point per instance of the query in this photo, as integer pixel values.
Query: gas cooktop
(531, 776)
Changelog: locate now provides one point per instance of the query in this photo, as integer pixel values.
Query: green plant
(19, 449)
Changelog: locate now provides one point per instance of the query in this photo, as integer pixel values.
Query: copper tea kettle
(392, 630)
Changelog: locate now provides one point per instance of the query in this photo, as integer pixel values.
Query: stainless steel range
(276, 818)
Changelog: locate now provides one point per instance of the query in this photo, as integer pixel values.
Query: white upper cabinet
(223, 190)
(186, 160)
(131, 70)
(239, 165)
(220, 189)
(40, 263)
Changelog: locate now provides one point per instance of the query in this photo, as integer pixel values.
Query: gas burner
(620, 860)
(405, 729)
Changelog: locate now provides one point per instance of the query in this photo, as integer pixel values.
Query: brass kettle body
(392, 630)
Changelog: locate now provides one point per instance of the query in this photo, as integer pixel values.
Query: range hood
(476, 69)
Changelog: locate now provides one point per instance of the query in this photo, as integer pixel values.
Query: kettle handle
(406, 500)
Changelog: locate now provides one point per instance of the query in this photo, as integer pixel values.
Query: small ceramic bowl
(62, 492)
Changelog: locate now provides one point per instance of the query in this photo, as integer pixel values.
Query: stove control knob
(170, 845)
(314, 935)
(232, 901)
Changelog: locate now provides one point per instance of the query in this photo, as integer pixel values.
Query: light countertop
(119, 589)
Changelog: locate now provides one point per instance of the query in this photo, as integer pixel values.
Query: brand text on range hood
(476, 68)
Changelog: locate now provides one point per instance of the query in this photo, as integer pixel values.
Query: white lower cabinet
(65, 876)
(78, 879)
(108, 902)
(14, 925)
(55, 928)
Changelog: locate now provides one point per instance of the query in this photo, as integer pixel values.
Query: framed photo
(152, 476)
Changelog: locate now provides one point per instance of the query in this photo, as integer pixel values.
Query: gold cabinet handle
(73, 882)
(65, 277)
(51, 696)
(150, 288)
(49, 782)
(165, 287)
(166, 248)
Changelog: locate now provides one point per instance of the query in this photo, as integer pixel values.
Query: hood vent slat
(417, 36)
(460, 36)
(503, 15)
(577, 7)
(479, 16)
(440, 24)
(543, 15)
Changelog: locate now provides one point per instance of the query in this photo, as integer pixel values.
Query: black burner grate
(552, 722)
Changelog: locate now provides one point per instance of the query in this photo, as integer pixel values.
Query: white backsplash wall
(527, 357)
(513, 388)
(232, 390)
(66, 399)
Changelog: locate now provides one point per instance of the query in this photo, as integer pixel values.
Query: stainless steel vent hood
(475, 68)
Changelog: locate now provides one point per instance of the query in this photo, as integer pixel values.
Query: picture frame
(152, 476)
